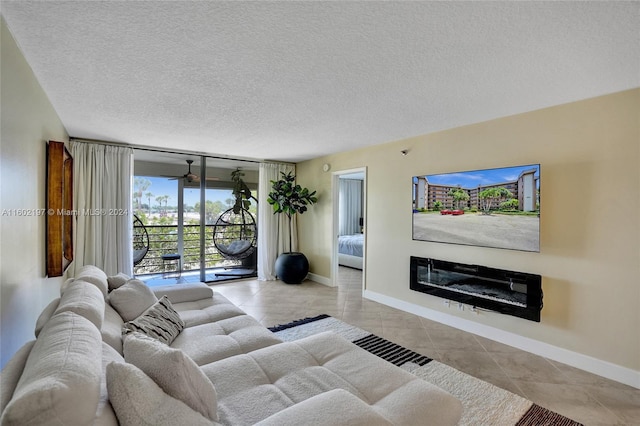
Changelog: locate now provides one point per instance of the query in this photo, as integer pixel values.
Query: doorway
(349, 226)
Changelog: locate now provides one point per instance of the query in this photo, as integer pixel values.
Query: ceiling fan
(192, 177)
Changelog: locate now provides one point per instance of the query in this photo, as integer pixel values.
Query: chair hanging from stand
(235, 234)
(140, 240)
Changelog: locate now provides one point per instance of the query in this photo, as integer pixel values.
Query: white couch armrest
(12, 372)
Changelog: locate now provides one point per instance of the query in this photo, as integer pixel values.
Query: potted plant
(289, 198)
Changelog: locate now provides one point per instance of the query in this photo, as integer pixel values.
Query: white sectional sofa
(190, 357)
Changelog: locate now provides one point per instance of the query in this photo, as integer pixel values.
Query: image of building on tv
(431, 196)
(497, 208)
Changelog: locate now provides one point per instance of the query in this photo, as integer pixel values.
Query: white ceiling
(295, 80)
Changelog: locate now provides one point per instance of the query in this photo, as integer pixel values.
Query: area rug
(483, 403)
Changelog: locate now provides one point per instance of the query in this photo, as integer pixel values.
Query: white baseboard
(320, 279)
(584, 362)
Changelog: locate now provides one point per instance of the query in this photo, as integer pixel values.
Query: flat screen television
(497, 208)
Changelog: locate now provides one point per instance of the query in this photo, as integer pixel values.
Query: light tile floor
(584, 397)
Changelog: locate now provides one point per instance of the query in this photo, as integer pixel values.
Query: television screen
(497, 208)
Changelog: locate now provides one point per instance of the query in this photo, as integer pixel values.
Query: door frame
(335, 183)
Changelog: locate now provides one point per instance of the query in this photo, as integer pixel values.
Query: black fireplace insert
(508, 292)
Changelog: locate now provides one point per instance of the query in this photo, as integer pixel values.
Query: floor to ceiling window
(168, 201)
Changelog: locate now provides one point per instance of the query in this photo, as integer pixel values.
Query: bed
(350, 250)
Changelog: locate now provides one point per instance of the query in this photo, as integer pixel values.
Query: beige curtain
(273, 229)
(102, 198)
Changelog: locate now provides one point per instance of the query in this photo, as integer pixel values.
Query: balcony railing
(163, 239)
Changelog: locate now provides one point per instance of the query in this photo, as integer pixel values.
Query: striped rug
(389, 351)
(483, 403)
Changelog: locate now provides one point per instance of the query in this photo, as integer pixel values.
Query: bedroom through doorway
(349, 226)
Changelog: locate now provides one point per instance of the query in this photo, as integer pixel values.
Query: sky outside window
(163, 186)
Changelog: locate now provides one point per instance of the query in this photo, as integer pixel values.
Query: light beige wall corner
(28, 121)
(589, 153)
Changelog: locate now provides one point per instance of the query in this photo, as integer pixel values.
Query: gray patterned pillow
(159, 321)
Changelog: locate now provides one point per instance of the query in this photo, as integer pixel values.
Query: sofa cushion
(94, 275)
(11, 373)
(132, 299)
(112, 328)
(60, 383)
(173, 371)
(207, 310)
(84, 299)
(211, 342)
(160, 321)
(327, 409)
(66, 283)
(279, 376)
(400, 396)
(105, 416)
(151, 407)
(188, 292)
(46, 315)
(116, 281)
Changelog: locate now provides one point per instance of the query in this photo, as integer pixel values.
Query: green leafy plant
(289, 198)
(241, 192)
(493, 195)
(459, 195)
(511, 204)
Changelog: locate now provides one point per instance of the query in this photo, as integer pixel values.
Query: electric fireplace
(508, 292)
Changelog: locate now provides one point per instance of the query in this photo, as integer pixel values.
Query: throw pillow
(173, 370)
(132, 299)
(137, 400)
(117, 281)
(160, 321)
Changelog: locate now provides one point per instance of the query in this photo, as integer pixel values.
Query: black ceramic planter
(292, 267)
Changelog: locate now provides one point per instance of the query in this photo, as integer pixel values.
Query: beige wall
(28, 121)
(590, 225)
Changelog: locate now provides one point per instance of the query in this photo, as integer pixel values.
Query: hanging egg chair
(235, 234)
(140, 240)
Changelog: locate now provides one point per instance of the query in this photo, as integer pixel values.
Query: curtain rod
(165, 151)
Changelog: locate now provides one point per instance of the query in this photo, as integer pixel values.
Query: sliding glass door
(178, 199)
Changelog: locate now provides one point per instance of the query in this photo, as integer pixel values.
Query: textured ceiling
(295, 80)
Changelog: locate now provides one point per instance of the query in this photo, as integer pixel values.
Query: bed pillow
(160, 321)
(152, 406)
(131, 299)
(173, 370)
